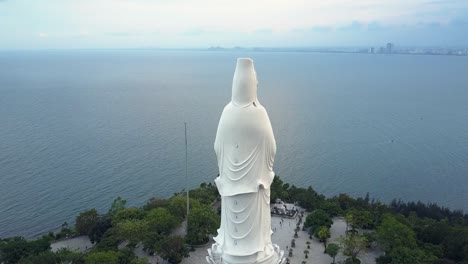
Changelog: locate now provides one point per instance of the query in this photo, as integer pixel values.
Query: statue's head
(244, 83)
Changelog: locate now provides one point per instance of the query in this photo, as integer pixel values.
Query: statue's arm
(270, 143)
(218, 145)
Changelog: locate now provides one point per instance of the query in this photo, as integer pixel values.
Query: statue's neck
(244, 83)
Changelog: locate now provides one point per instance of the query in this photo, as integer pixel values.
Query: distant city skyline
(55, 24)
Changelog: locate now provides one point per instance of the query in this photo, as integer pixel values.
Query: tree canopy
(392, 233)
(317, 219)
(104, 257)
(86, 221)
(13, 249)
(173, 249)
(202, 222)
(353, 245)
(332, 250)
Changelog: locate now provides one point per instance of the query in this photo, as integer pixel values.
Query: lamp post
(186, 175)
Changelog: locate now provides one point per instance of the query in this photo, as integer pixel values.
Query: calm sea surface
(79, 128)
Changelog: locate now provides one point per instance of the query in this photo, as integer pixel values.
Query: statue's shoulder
(228, 107)
(253, 110)
(262, 110)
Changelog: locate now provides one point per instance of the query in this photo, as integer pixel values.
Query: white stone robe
(245, 148)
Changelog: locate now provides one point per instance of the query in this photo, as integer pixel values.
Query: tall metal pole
(186, 174)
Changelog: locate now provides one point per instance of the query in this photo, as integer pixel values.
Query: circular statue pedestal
(215, 256)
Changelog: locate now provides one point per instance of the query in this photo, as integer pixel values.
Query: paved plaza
(79, 244)
(283, 234)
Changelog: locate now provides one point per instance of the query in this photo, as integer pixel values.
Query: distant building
(390, 47)
(371, 50)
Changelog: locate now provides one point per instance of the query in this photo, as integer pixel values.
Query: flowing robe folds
(245, 147)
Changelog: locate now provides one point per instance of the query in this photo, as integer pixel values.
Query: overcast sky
(38, 24)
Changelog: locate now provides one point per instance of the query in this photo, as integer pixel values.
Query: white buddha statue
(245, 147)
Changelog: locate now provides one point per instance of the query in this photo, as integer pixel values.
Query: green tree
(117, 205)
(128, 214)
(392, 234)
(139, 261)
(154, 203)
(86, 221)
(332, 250)
(13, 249)
(39, 245)
(432, 249)
(173, 249)
(456, 244)
(133, 231)
(358, 219)
(108, 242)
(126, 255)
(431, 231)
(65, 230)
(345, 201)
(317, 219)
(332, 208)
(308, 198)
(178, 206)
(323, 233)
(160, 221)
(353, 245)
(100, 228)
(352, 261)
(65, 255)
(105, 257)
(371, 237)
(202, 222)
(279, 190)
(43, 257)
(404, 255)
(160, 224)
(206, 193)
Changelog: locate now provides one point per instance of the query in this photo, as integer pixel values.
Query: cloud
(355, 25)
(169, 23)
(264, 31)
(194, 32)
(444, 2)
(321, 28)
(375, 26)
(83, 33)
(120, 34)
(130, 33)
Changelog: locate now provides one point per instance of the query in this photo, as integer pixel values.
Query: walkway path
(285, 233)
(80, 244)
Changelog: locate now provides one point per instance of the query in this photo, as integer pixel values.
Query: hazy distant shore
(438, 51)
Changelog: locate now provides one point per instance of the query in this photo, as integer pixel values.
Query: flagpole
(186, 175)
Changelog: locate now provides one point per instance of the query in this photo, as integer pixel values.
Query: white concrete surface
(80, 244)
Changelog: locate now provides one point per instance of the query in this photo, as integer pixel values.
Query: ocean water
(79, 128)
